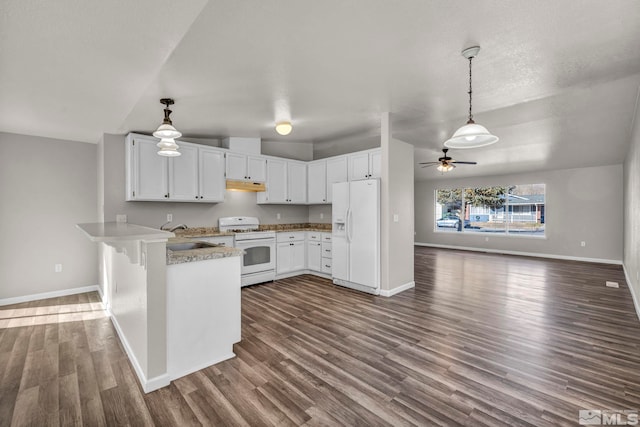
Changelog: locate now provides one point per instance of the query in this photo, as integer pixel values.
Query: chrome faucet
(178, 227)
(164, 225)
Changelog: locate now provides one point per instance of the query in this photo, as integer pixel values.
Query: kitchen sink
(190, 245)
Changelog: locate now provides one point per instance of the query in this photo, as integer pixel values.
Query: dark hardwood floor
(481, 340)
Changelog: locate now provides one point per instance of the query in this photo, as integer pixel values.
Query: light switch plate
(121, 218)
(396, 218)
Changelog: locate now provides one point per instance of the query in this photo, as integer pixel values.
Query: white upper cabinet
(244, 167)
(183, 174)
(276, 182)
(197, 175)
(317, 182)
(365, 164)
(256, 169)
(322, 174)
(337, 171)
(297, 182)
(147, 172)
(286, 182)
(211, 177)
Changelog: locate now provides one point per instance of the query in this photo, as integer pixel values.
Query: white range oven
(259, 259)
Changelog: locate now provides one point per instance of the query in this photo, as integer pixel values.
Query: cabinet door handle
(166, 195)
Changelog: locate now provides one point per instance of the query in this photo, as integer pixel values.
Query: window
(502, 210)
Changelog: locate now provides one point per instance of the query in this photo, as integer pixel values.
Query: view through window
(513, 210)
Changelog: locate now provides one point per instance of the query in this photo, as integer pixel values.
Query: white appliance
(259, 259)
(356, 235)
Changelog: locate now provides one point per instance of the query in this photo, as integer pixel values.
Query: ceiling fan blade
(464, 163)
(429, 163)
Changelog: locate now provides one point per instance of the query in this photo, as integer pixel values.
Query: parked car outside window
(452, 221)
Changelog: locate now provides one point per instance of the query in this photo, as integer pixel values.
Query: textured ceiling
(556, 80)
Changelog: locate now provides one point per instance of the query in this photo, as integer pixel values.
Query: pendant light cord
(470, 92)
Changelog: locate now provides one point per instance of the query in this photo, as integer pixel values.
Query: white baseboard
(52, 294)
(301, 272)
(634, 297)
(176, 375)
(392, 292)
(148, 385)
(531, 254)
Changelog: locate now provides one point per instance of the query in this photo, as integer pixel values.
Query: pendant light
(471, 135)
(167, 133)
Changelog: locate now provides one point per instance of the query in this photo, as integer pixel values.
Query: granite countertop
(200, 254)
(214, 231)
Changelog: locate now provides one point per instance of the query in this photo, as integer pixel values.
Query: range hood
(255, 187)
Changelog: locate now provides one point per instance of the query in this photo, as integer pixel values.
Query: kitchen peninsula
(175, 311)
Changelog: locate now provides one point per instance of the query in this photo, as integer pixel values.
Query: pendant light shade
(167, 133)
(471, 135)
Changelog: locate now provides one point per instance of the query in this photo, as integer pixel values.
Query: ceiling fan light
(284, 128)
(471, 135)
(446, 167)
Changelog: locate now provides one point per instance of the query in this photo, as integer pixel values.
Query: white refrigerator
(356, 235)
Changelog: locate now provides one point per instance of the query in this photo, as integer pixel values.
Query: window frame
(507, 212)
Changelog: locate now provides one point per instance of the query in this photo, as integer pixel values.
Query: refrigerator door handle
(349, 225)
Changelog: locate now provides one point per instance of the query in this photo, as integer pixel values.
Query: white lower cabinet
(326, 253)
(314, 256)
(290, 252)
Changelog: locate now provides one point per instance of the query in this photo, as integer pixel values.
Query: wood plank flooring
(482, 340)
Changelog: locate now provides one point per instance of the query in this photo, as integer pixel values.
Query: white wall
(632, 210)
(396, 198)
(583, 204)
(46, 187)
(345, 145)
(153, 214)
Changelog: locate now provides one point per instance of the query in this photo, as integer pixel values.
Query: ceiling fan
(445, 163)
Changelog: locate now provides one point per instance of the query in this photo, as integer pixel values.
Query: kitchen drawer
(290, 236)
(326, 265)
(326, 237)
(326, 249)
(219, 240)
(314, 236)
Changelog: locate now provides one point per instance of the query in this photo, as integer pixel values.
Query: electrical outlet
(277, 216)
(121, 218)
(321, 215)
(57, 268)
(583, 244)
(396, 218)
(486, 239)
(169, 217)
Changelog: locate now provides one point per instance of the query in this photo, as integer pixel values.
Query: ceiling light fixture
(284, 128)
(471, 135)
(445, 167)
(167, 133)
